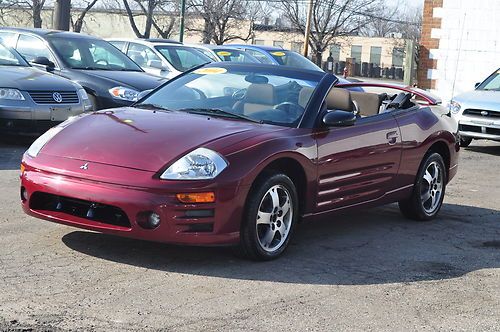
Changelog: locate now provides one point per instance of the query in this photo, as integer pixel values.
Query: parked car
(225, 53)
(478, 111)
(110, 78)
(236, 154)
(161, 57)
(32, 100)
(278, 56)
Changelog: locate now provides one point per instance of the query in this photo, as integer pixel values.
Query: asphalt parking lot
(369, 270)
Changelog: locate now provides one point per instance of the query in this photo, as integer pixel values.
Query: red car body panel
(371, 163)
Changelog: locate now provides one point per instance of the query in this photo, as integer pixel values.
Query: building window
(258, 42)
(297, 46)
(375, 55)
(278, 43)
(356, 51)
(398, 55)
(335, 50)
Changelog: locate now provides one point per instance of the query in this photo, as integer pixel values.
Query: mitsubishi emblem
(85, 166)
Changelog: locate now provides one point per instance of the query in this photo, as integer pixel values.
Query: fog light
(196, 197)
(24, 194)
(154, 220)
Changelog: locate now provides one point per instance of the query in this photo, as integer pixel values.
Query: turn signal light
(196, 198)
(22, 169)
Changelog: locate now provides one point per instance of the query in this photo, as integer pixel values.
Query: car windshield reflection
(241, 94)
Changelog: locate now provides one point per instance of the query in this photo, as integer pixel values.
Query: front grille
(476, 112)
(473, 129)
(493, 131)
(48, 97)
(102, 213)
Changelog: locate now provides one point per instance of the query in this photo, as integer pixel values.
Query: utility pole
(308, 27)
(182, 19)
(62, 16)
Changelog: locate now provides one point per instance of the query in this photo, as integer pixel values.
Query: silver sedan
(478, 111)
(32, 100)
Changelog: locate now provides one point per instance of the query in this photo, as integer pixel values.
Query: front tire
(428, 191)
(270, 217)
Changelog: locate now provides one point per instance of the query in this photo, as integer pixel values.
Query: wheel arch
(442, 148)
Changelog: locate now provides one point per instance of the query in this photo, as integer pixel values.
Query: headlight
(82, 94)
(123, 93)
(11, 94)
(454, 107)
(40, 142)
(200, 164)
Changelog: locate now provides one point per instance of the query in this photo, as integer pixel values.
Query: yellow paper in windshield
(278, 53)
(224, 53)
(210, 71)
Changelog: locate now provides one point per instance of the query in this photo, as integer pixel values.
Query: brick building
(460, 45)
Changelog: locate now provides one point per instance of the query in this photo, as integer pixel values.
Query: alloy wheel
(274, 218)
(432, 187)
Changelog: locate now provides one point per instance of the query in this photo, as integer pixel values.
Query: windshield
(235, 56)
(91, 54)
(182, 58)
(262, 95)
(292, 59)
(491, 83)
(8, 57)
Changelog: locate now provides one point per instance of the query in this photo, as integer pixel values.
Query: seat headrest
(260, 94)
(339, 99)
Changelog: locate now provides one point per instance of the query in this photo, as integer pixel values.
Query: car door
(359, 163)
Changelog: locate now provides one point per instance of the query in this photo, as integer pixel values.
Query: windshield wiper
(218, 111)
(153, 107)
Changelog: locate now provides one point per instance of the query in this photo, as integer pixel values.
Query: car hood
(144, 139)
(479, 99)
(29, 78)
(139, 81)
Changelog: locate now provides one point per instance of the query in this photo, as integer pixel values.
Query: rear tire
(465, 141)
(429, 190)
(269, 219)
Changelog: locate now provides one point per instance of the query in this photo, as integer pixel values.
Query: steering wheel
(291, 109)
(104, 61)
(239, 94)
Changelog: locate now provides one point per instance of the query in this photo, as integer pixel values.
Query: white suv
(161, 57)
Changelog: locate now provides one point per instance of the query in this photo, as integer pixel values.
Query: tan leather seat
(259, 97)
(339, 99)
(368, 103)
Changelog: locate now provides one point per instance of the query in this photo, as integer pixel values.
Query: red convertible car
(237, 154)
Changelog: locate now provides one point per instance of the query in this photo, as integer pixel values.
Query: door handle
(392, 137)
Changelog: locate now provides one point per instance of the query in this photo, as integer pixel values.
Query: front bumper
(192, 224)
(479, 127)
(35, 118)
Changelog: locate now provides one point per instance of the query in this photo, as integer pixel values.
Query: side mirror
(477, 84)
(156, 64)
(339, 119)
(44, 61)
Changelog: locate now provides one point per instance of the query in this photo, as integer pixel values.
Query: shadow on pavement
(369, 247)
(11, 151)
(493, 150)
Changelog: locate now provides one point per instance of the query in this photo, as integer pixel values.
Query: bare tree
(222, 19)
(330, 19)
(148, 8)
(77, 24)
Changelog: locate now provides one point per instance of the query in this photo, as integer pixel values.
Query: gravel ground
(365, 271)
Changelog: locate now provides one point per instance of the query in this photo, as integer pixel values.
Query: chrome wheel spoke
(263, 218)
(268, 238)
(428, 177)
(275, 198)
(286, 207)
(426, 196)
